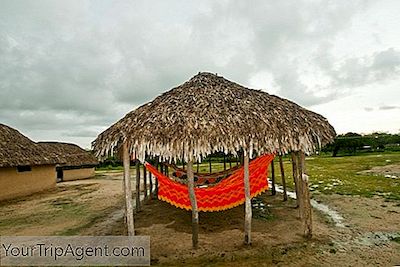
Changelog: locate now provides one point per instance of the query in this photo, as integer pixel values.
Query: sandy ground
(95, 207)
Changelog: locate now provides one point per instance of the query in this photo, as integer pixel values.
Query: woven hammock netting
(226, 194)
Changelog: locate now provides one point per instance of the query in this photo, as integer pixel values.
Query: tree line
(352, 143)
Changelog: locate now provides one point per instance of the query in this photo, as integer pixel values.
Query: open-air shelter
(209, 114)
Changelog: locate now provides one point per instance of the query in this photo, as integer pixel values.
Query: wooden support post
(305, 205)
(156, 182)
(237, 160)
(248, 211)
(295, 177)
(273, 178)
(151, 185)
(193, 202)
(128, 191)
(209, 161)
(137, 185)
(230, 161)
(283, 178)
(224, 162)
(198, 167)
(145, 182)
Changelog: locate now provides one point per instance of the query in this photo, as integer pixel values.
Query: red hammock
(227, 194)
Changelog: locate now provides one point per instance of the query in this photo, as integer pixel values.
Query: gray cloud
(373, 68)
(388, 107)
(72, 68)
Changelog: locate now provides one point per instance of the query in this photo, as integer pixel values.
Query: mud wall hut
(25, 167)
(74, 163)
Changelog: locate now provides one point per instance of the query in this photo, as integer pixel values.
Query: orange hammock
(227, 194)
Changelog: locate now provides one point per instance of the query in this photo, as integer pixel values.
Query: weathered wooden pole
(156, 181)
(209, 161)
(248, 211)
(198, 167)
(305, 204)
(137, 185)
(151, 185)
(193, 202)
(230, 161)
(224, 162)
(128, 190)
(295, 177)
(273, 178)
(145, 182)
(283, 178)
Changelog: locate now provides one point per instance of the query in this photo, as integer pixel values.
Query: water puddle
(377, 238)
(333, 214)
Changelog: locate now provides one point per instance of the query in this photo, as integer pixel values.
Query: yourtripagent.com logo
(75, 251)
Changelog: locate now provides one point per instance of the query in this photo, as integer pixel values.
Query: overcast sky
(69, 69)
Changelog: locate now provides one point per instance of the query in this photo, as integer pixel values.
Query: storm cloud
(69, 69)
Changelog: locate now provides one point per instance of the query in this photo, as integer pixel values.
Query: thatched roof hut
(209, 113)
(25, 166)
(70, 154)
(18, 150)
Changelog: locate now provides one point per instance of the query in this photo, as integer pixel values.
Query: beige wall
(15, 184)
(76, 174)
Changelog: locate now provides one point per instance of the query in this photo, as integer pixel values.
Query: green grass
(341, 175)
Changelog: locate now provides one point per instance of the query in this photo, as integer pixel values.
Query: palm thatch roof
(18, 150)
(209, 113)
(70, 155)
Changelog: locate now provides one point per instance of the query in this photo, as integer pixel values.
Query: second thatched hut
(74, 162)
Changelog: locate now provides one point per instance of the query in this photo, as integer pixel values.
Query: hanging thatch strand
(18, 150)
(210, 113)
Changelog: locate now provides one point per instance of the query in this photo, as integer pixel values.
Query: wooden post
(198, 167)
(273, 178)
(145, 182)
(248, 211)
(137, 185)
(295, 177)
(305, 205)
(237, 160)
(128, 191)
(224, 162)
(193, 202)
(210, 164)
(230, 161)
(283, 178)
(151, 185)
(156, 185)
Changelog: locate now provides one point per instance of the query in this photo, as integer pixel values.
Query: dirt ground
(389, 171)
(95, 207)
